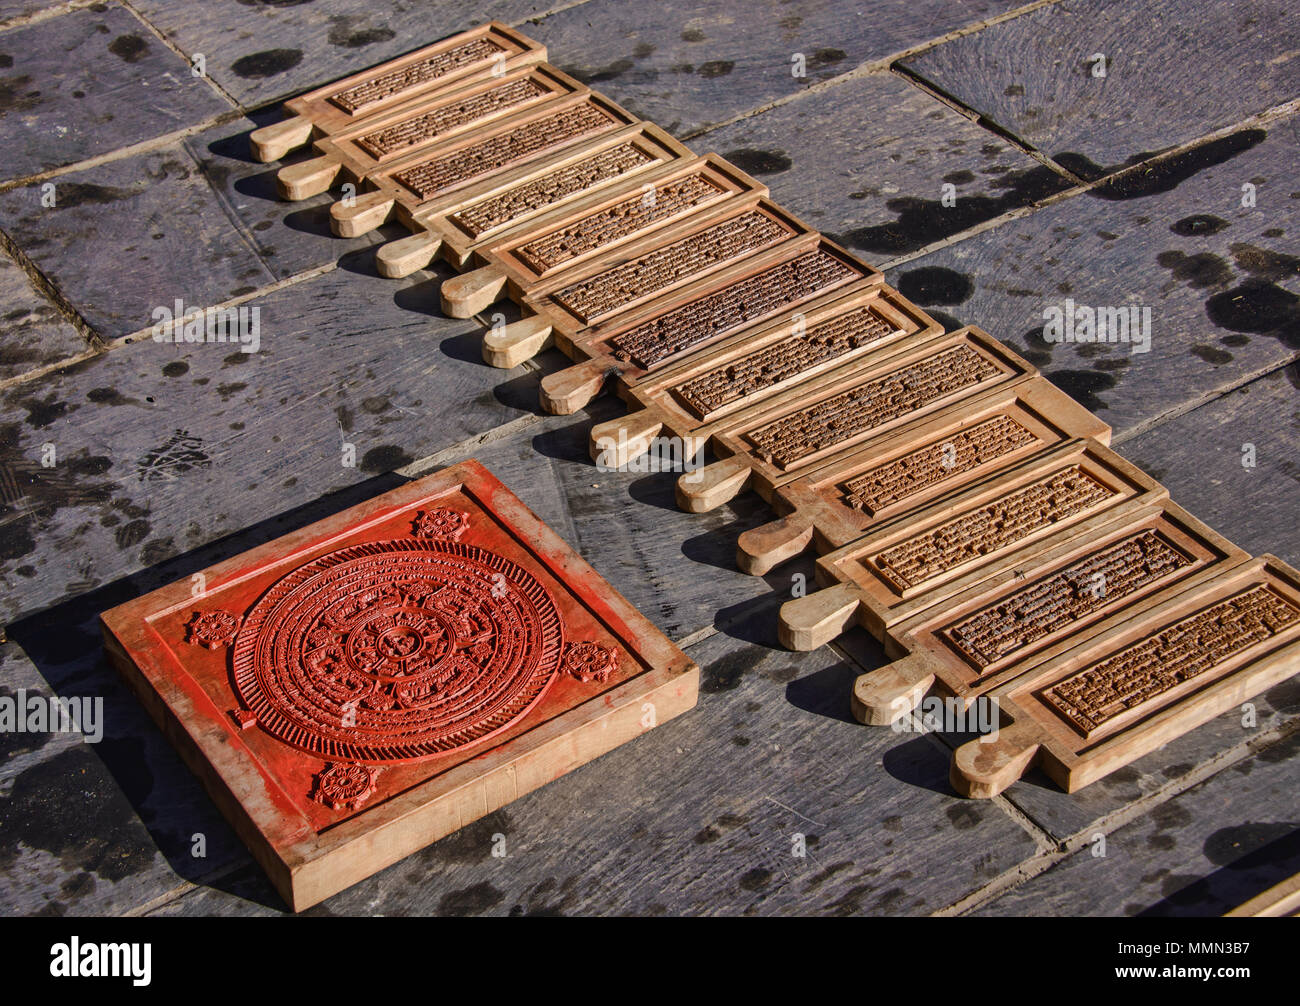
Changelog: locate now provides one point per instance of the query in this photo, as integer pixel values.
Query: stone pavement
(1169, 182)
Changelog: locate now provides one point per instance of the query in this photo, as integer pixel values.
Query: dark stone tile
(688, 65)
(35, 333)
(88, 82)
(1218, 278)
(1201, 853)
(1033, 74)
(876, 181)
(129, 236)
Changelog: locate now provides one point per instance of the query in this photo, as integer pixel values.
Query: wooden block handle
(568, 390)
(709, 487)
(615, 442)
(984, 768)
(272, 142)
(466, 295)
(512, 344)
(310, 178)
(808, 622)
(406, 255)
(366, 212)
(761, 548)
(891, 692)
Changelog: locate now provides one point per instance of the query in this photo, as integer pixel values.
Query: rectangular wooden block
(1088, 707)
(801, 273)
(985, 636)
(493, 49)
(355, 690)
(919, 462)
(776, 442)
(916, 561)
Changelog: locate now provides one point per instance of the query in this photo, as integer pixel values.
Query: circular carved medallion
(397, 650)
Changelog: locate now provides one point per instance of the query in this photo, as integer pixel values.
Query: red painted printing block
(355, 690)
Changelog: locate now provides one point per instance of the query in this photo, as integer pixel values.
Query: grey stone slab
(290, 238)
(33, 332)
(13, 9)
(1173, 73)
(132, 235)
(262, 50)
(1219, 278)
(1200, 853)
(88, 82)
(164, 447)
(867, 162)
(690, 65)
(702, 816)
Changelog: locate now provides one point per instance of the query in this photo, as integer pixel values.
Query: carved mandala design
(440, 523)
(397, 650)
(345, 787)
(211, 629)
(588, 661)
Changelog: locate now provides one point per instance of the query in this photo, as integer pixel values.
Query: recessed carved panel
(742, 302)
(872, 404)
(1146, 670)
(792, 356)
(385, 85)
(500, 150)
(1052, 603)
(963, 452)
(990, 528)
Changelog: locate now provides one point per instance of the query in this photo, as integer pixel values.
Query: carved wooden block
(358, 689)
(775, 443)
(700, 394)
(492, 49)
(906, 565)
(985, 636)
(523, 112)
(536, 194)
(801, 272)
(621, 227)
(1089, 706)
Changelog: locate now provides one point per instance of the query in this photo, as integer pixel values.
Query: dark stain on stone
(260, 65)
(755, 879)
(693, 35)
(1264, 263)
(1198, 224)
(1228, 845)
(739, 741)
(934, 284)
(378, 460)
(963, 816)
(226, 390)
(1167, 175)
(959, 177)
(471, 900)
(707, 835)
(68, 194)
(826, 57)
(724, 674)
(643, 50)
(108, 396)
(1013, 91)
(176, 369)
(1211, 354)
(129, 47)
(716, 68)
(1084, 386)
(923, 221)
(341, 33)
(611, 71)
(157, 551)
(16, 539)
(43, 412)
(1258, 307)
(131, 534)
(759, 162)
(1197, 271)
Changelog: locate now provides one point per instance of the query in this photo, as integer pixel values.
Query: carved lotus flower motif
(211, 629)
(440, 522)
(589, 661)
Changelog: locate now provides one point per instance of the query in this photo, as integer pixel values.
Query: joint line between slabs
(184, 56)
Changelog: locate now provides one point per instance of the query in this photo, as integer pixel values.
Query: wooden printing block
(696, 397)
(918, 462)
(779, 440)
(800, 274)
(404, 138)
(490, 49)
(984, 636)
(602, 230)
(924, 557)
(358, 689)
(458, 218)
(1090, 706)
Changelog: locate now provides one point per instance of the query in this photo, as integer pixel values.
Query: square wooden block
(353, 691)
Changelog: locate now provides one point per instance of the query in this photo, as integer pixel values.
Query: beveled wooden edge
(812, 500)
(314, 865)
(315, 114)
(1282, 900)
(1072, 768)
